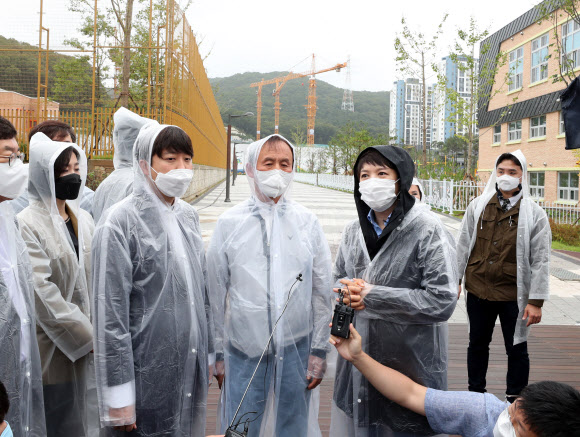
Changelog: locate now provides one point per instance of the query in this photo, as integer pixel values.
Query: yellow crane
(280, 82)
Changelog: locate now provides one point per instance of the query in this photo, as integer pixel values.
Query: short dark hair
(54, 129)
(174, 140)
(4, 402)
(373, 157)
(509, 157)
(550, 408)
(7, 129)
(61, 163)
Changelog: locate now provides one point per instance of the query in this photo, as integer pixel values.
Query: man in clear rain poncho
(58, 235)
(153, 329)
(258, 249)
(398, 264)
(503, 250)
(20, 369)
(119, 184)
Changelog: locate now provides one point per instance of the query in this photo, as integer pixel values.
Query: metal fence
(447, 196)
(66, 60)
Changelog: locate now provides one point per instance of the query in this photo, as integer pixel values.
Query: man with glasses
(19, 358)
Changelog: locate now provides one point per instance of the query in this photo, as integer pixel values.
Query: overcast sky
(268, 35)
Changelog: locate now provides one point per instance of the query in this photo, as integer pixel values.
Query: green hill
(234, 96)
(69, 77)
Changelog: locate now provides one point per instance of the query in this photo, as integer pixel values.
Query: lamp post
(229, 151)
(235, 167)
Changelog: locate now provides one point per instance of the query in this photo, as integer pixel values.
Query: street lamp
(229, 151)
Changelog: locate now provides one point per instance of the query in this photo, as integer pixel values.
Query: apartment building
(458, 79)
(524, 111)
(405, 117)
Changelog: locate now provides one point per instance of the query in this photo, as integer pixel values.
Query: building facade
(405, 117)
(524, 111)
(458, 79)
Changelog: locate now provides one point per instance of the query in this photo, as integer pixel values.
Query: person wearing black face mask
(58, 236)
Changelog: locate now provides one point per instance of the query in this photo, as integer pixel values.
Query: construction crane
(280, 82)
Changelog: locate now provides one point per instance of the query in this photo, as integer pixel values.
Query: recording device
(343, 316)
(232, 430)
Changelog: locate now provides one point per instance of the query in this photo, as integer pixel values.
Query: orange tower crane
(280, 82)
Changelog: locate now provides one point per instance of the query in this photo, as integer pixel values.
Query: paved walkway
(554, 348)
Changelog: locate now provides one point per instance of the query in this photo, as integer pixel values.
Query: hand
(126, 428)
(315, 373)
(459, 292)
(220, 373)
(120, 415)
(354, 295)
(533, 314)
(349, 348)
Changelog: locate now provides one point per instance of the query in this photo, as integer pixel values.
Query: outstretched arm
(390, 383)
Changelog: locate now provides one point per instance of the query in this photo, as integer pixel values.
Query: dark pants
(482, 316)
(63, 410)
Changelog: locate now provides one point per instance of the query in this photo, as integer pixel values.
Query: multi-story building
(458, 79)
(405, 117)
(524, 111)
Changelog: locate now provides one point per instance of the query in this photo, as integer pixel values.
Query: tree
(415, 55)
(478, 89)
(350, 140)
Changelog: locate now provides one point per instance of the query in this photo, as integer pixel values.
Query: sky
(270, 35)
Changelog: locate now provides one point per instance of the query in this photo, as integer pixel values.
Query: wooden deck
(554, 355)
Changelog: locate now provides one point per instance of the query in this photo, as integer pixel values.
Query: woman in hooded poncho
(404, 293)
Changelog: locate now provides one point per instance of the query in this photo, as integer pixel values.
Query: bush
(567, 234)
(95, 177)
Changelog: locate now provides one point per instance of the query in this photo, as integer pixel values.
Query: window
(540, 58)
(571, 44)
(515, 130)
(562, 130)
(568, 186)
(516, 69)
(497, 134)
(538, 127)
(536, 180)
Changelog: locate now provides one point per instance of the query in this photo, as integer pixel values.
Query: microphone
(232, 430)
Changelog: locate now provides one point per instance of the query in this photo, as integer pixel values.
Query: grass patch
(568, 235)
(556, 245)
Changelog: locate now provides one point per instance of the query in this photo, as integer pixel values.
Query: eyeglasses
(13, 159)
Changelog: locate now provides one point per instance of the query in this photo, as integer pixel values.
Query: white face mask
(503, 427)
(273, 183)
(13, 179)
(174, 183)
(507, 182)
(378, 194)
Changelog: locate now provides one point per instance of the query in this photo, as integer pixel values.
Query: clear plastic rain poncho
(533, 246)
(119, 184)
(20, 369)
(257, 250)
(62, 290)
(412, 292)
(153, 327)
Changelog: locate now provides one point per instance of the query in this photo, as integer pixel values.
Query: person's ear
(249, 170)
(144, 168)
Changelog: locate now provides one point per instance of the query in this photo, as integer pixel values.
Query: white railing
(447, 196)
(450, 196)
(563, 214)
(333, 181)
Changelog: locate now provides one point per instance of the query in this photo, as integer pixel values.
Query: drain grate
(564, 275)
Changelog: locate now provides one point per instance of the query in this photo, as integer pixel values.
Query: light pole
(235, 167)
(229, 151)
